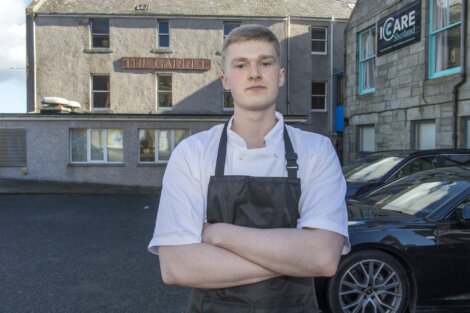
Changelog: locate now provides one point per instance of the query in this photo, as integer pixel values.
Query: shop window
(164, 91)
(163, 34)
(101, 92)
(424, 135)
(99, 33)
(445, 36)
(156, 145)
(96, 145)
(367, 138)
(12, 147)
(319, 96)
(319, 40)
(229, 26)
(367, 53)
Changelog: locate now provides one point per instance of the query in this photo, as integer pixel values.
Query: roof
(243, 8)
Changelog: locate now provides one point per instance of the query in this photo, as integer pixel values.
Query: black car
(379, 168)
(410, 248)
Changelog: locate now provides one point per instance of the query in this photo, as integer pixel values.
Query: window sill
(152, 164)
(318, 53)
(102, 110)
(98, 50)
(161, 50)
(452, 71)
(92, 164)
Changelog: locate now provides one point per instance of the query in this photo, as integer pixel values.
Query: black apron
(258, 202)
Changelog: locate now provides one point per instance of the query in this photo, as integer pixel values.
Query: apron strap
(291, 156)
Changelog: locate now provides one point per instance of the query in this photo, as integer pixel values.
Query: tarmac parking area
(81, 253)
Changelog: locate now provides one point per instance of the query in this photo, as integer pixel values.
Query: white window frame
(325, 96)
(92, 34)
(92, 92)
(363, 60)
(325, 29)
(158, 92)
(163, 34)
(417, 134)
(361, 146)
(104, 138)
(156, 143)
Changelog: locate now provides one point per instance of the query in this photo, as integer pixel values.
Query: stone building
(114, 85)
(407, 71)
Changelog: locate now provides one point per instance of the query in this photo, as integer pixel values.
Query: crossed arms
(231, 255)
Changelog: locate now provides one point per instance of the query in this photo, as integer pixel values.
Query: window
(101, 95)
(164, 94)
(229, 26)
(228, 100)
(367, 61)
(318, 96)
(163, 34)
(96, 145)
(367, 138)
(318, 37)
(99, 33)
(156, 145)
(425, 135)
(445, 37)
(467, 133)
(12, 147)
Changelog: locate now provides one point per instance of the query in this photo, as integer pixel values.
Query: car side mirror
(466, 213)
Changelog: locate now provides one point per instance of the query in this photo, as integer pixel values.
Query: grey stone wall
(404, 93)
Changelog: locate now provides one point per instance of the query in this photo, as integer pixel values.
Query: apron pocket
(214, 306)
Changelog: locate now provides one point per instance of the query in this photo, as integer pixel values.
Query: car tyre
(368, 281)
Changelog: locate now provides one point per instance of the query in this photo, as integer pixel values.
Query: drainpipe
(463, 60)
(288, 64)
(332, 78)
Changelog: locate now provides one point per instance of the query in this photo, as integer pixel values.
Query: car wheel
(368, 282)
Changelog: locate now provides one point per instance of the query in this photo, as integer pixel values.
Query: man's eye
(266, 63)
(241, 65)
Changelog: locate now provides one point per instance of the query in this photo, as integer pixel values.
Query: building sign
(166, 63)
(400, 29)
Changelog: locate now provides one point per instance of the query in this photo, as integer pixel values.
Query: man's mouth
(256, 88)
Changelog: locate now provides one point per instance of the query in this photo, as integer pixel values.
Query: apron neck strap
(291, 156)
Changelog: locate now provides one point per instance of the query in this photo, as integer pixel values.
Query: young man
(250, 211)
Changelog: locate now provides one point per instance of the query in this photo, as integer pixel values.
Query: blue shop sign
(400, 29)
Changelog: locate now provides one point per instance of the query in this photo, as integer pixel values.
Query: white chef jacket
(183, 200)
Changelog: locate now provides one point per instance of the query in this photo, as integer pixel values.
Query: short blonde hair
(250, 32)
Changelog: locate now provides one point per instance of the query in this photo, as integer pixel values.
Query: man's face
(253, 74)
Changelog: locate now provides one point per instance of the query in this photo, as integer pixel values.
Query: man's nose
(254, 73)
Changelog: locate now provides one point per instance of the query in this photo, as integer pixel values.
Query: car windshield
(415, 197)
(369, 169)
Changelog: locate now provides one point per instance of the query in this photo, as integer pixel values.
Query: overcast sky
(12, 56)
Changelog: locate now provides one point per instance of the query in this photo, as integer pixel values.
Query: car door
(453, 258)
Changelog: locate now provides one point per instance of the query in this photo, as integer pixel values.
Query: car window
(457, 213)
(454, 159)
(369, 169)
(416, 165)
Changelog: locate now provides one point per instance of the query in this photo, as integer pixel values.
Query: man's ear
(282, 76)
(225, 83)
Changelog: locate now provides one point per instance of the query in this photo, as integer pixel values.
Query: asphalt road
(79, 253)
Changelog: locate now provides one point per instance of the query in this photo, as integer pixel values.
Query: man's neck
(253, 126)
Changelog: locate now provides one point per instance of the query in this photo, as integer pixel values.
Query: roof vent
(141, 7)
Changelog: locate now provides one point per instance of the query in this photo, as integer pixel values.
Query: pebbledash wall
(147, 74)
(417, 93)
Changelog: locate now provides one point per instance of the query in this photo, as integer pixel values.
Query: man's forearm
(292, 252)
(207, 266)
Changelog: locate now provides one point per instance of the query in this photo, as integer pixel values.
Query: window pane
(100, 82)
(163, 27)
(164, 145)
(97, 145)
(164, 83)
(164, 100)
(368, 44)
(101, 100)
(426, 136)
(367, 139)
(115, 153)
(447, 49)
(318, 46)
(228, 100)
(100, 41)
(180, 134)
(228, 27)
(100, 26)
(318, 103)
(79, 145)
(318, 88)
(455, 8)
(318, 33)
(368, 79)
(163, 41)
(147, 145)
